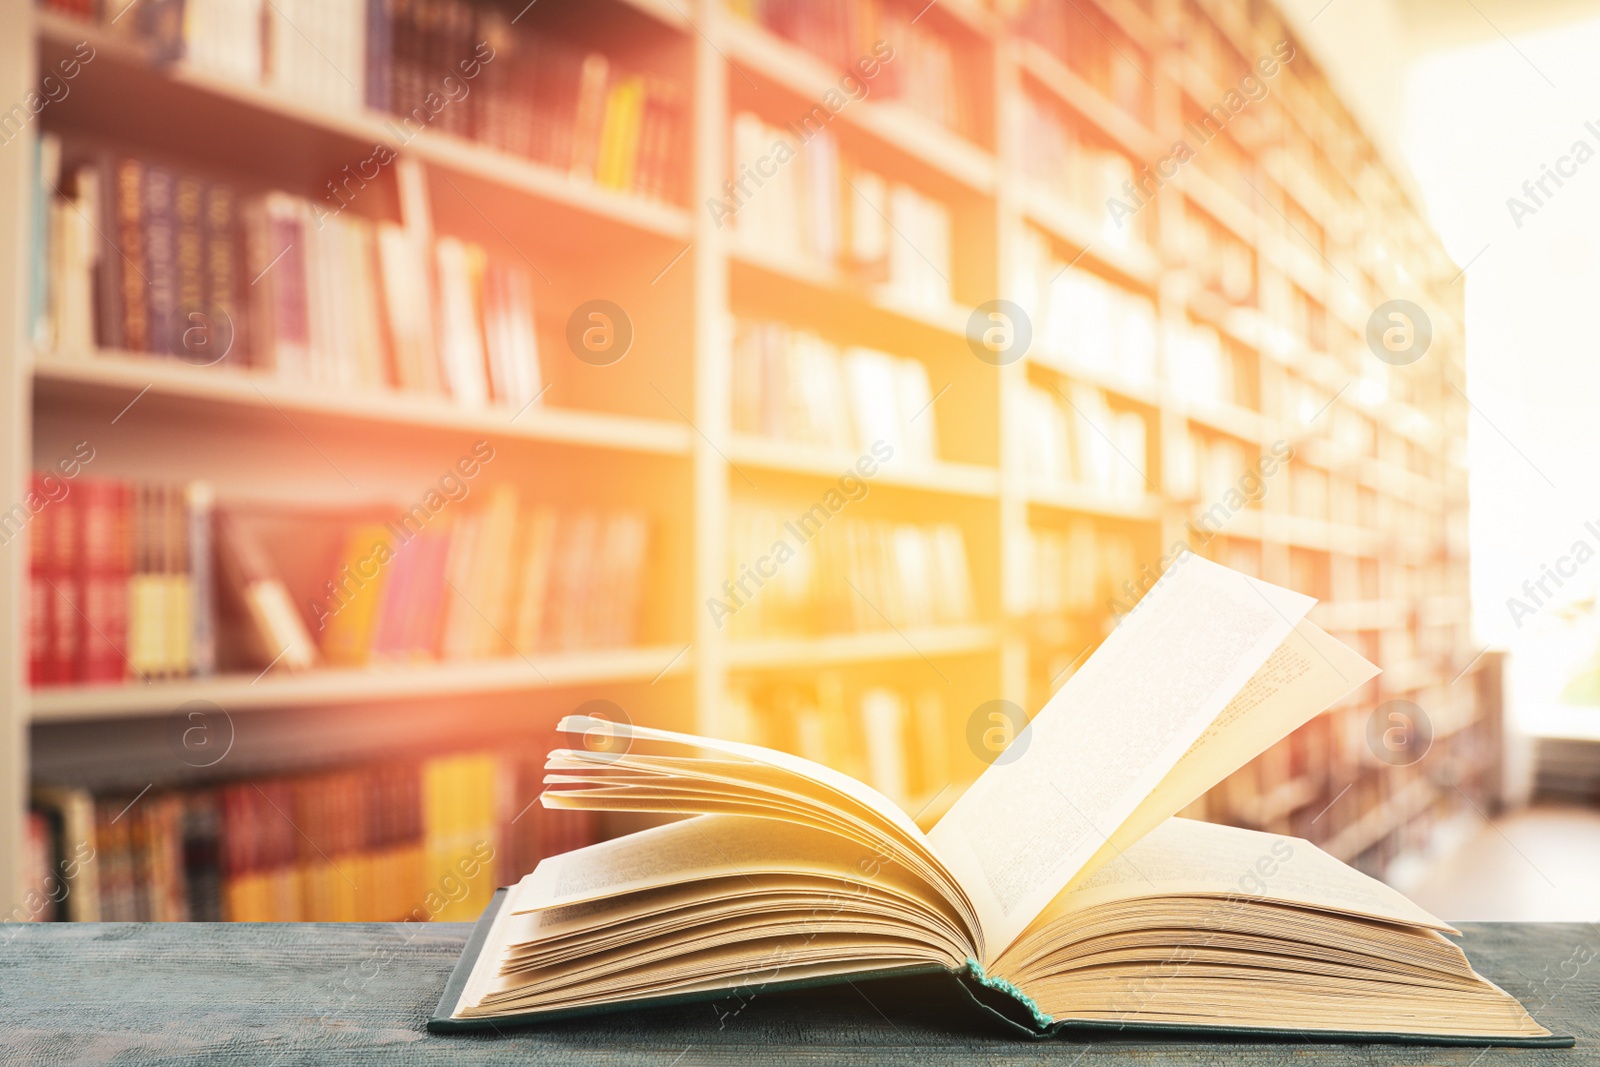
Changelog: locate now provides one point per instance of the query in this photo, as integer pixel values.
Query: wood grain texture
(329, 995)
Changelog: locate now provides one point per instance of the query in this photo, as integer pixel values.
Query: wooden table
(277, 995)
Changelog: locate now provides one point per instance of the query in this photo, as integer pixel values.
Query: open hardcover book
(1058, 888)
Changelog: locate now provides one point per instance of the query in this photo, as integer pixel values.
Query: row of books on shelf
(883, 43)
(1219, 261)
(465, 69)
(1322, 783)
(1065, 163)
(811, 571)
(1201, 370)
(1071, 436)
(498, 580)
(120, 582)
(899, 741)
(1076, 570)
(1094, 47)
(144, 257)
(1082, 321)
(819, 207)
(1218, 469)
(154, 581)
(393, 841)
(793, 385)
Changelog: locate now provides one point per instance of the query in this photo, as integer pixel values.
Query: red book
(101, 572)
(41, 598)
(62, 587)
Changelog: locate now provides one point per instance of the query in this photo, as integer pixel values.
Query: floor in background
(1538, 864)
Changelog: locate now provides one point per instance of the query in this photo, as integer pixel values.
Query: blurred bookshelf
(783, 327)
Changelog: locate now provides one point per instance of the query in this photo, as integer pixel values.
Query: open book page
(741, 779)
(703, 848)
(1304, 675)
(1107, 739)
(827, 778)
(1182, 857)
(699, 883)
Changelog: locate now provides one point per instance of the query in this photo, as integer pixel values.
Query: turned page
(1106, 740)
(1302, 677)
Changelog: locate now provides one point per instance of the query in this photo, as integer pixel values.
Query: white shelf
(834, 285)
(962, 479)
(768, 57)
(207, 387)
(359, 685)
(1091, 501)
(1065, 221)
(781, 653)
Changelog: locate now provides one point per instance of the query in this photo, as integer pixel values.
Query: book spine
(290, 312)
(66, 590)
(46, 177)
(380, 54)
(190, 299)
(201, 585)
(161, 261)
(102, 564)
(41, 595)
(202, 856)
(222, 285)
(129, 257)
(106, 260)
(589, 117)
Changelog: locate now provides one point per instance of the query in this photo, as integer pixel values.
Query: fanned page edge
(446, 1018)
(797, 765)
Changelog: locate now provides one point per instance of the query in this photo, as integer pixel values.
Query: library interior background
(384, 381)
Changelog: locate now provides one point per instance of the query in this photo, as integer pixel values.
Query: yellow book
(458, 811)
(352, 604)
(619, 136)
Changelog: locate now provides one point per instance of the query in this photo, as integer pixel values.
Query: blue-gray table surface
(329, 994)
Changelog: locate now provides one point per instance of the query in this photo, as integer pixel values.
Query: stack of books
(493, 581)
(464, 69)
(390, 842)
(792, 385)
(1082, 321)
(818, 207)
(1073, 437)
(897, 741)
(838, 573)
(167, 261)
(120, 582)
(916, 63)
